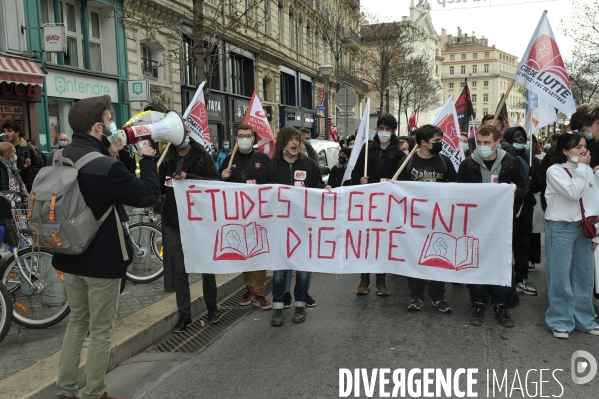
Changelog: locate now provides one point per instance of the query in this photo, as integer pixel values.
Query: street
(254, 360)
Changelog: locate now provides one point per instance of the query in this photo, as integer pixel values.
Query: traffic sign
(342, 114)
(321, 109)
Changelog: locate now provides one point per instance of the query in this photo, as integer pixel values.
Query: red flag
(447, 120)
(333, 131)
(412, 121)
(197, 117)
(256, 118)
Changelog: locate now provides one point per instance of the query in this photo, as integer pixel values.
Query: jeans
(279, 278)
(436, 289)
(290, 276)
(480, 294)
(93, 303)
(570, 277)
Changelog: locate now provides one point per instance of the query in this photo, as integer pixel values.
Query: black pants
(174, 263)
(521, 244)
(535, 248)
(436, 289)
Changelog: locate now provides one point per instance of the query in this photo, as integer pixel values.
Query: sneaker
(364, 284)
(261, 302)
(526, 288)
(442, 305)
(300, 314)
(513, 301)
(277, 318)
(477, 315)
(246, 299)
(594, 331)
(213, 314)
(415, 304)
(181, 325)
(531, 267)
(381, 288)
(560, 333)
(310, 302)
(596, 306)
(287, 301)
(502, 315)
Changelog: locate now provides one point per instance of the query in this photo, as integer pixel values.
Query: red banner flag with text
(447, 120)
(256, 118)
(333, 131)
(412, 122)
(197, 118)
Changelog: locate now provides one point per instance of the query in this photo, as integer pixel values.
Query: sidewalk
(28, 358)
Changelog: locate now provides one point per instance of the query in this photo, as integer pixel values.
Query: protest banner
(257, 119)
(445, 232)
(197, 118)
(447, 120)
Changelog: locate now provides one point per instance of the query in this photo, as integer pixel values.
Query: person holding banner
(572, 194)
(188, 161)
(383, 159)
(428, 165)
(290, 166)
(246, 168)
(337, 171)
(490, 164)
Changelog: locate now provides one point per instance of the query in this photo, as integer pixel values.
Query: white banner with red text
(436, 231)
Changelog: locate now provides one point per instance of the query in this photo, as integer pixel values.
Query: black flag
(503, 113)
(464, 109)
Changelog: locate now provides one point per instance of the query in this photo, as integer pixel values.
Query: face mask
(407, 152)
(520, 146)
(63, 143)
(342, 160)
(574, 158)
(350, 146)
(465, 147)
(113, 132)
(244, 144)
(384, 136)
(225, 147)
(437, 147)
(185, 143)
(13, 160)
(588, 135)
(485, 151)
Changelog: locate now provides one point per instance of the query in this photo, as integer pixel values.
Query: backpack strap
(119, 229)
(87, 158)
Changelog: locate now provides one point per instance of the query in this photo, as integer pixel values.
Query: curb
(131, 335)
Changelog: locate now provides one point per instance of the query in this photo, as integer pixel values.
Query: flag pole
(232, 156)
(366, 157)
(509, 88)
(163, 155)
(405, 162)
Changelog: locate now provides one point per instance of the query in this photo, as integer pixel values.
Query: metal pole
(345, 107)
(327, 129)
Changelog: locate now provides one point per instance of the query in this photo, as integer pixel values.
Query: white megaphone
(171, 128)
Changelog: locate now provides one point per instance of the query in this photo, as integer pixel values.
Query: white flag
(542, 70)
(197, 117)
(361, 139)
(447, 120)
(539, 113)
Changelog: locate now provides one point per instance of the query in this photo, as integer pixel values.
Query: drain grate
(197, 337)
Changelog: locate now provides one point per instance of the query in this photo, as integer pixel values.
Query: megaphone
(171, 128)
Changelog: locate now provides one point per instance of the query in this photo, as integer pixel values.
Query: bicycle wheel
(43, 304)
(5, 311)
(147, 253)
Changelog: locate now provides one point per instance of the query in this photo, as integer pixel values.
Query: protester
(350, 141)
(384, 159)
(286, 167)
(338, 171)
(29, 160)
(491, 164)
(222, 154)
(246, 169)
(586, 122)
(186, 161)
(465, 145)
(213, 152)
(571, 186)
(488, 119)
(307, 135)
(92, 279)
(428, 165)
(538, 217)
(31, 142)
(10, 179)
(404, 146)
(63, 140)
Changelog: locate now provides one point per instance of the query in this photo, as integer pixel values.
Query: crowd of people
(555, 185)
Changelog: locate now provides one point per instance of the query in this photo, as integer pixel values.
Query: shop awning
(14, 70)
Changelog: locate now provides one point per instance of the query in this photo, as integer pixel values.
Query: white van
(328, 155)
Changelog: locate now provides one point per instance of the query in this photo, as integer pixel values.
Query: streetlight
(326, 71)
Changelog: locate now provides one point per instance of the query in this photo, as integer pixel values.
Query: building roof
(473, 47)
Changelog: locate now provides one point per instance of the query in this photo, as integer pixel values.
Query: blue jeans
(290, 276)
(570, 277)
(480, 294)
(279, 278)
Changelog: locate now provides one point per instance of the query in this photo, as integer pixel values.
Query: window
(317, 49)
(291, 30)
(149, 67)
(242, 75)
(300, 37)
(95, 42)
(281, 24)
(248, 11)
(485, 98)
(267, 17)
(72, 56)
(485, 111)
(486, 83)
(474, 69)
(474, 55)
(451, 71)
(473, 98)
(487, 54)
(306, 91)
(486, 68)
(462, 84)
(463, 56)
(265, 89)
(451, 86)
(452, 57)
(187, 65)
(463, 69)
(287, 89)
(474, 84)
(325, 51)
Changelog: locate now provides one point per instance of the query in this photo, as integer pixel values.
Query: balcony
(149, 68)
(356, 38)
(354, 82)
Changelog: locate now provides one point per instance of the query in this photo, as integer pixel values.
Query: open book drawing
(240, 242)
(445, 251)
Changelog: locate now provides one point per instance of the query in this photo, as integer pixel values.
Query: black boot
(213, 314)
(181, 324)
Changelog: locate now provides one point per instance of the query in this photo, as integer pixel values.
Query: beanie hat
(85, 113)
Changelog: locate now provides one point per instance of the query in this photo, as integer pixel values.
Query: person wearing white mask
(247, 168)
(384, 159)
(10, 179)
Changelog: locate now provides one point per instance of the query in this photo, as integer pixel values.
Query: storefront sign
(138, 90)
(290, 115)
(240, 107)
(215, 107)
(77, 86)
(55, 39)
(14, 91)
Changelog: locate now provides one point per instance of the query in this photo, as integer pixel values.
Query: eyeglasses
(245, 136)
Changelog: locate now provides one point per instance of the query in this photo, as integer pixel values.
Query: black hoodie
(382, 164)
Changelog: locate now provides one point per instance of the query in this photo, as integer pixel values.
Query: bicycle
(37, 291)
(5, 311)
(146, 237)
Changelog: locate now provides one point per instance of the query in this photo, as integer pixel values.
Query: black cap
(85, 113)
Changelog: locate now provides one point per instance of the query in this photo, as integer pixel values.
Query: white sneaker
(526, 288)
(594, 331)
(560, 333)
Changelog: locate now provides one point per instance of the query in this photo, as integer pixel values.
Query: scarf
(15, 183)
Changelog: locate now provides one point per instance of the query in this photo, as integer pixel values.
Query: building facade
(488, 70)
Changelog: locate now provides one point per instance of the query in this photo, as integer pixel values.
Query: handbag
(590, 225)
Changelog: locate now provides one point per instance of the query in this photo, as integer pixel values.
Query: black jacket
(105, 182)
(201, 165)
(382, 164)
(25, 151)
(336, 176)
(593, 147)
(279, 171)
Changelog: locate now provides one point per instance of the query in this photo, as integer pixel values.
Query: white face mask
(574, 158)
(384, 136)
(244, 144)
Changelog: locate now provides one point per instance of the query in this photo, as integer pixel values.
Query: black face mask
(437, 147)
(342, 160)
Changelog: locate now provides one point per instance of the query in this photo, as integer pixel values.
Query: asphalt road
(255, 360)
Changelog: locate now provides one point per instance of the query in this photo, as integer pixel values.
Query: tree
(582, 28)
(583, 71)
